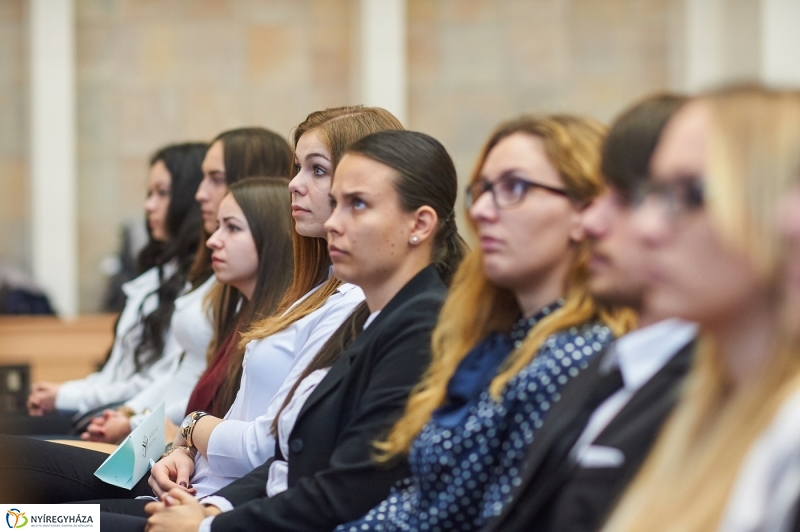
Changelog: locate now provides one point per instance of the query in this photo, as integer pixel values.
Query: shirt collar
(523, 325)
(642, 353)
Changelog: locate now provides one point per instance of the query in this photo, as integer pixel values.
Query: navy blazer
(577, 499)
(333, 478)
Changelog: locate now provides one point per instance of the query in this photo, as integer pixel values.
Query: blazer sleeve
(247, 488)
(353, 483)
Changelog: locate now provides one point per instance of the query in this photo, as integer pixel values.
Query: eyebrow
(354, 193)
(515, 173)
(234, 218)
(315, 154)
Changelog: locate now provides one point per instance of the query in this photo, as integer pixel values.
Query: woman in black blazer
(392, 233)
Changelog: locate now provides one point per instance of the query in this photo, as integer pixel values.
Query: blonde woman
(517, 325)
(719, 170)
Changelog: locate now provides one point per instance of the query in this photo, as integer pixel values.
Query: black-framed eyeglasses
(677, 197)
(506, 191)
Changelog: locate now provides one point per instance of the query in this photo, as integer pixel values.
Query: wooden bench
(57, 350)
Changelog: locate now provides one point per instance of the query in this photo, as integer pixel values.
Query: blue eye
(319, 171)
(358, 204)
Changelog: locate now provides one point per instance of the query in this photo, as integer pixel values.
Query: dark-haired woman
(252, 261)
(280, 346)
(142, 347)
(392, 233)
(209, 361)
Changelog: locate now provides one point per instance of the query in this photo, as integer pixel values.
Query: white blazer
(192, 329)
(271, 366)
(118, 380)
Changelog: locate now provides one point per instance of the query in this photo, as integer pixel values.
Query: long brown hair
(754, 158)
(246, 152)
(475, 306)
(337, 128)
(265, 204)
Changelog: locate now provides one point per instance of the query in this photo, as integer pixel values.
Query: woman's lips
(297, 210)
(489, 243)
(334, 252)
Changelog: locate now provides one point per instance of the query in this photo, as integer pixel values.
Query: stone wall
(473, 63)
(151, 72)
(14, 226)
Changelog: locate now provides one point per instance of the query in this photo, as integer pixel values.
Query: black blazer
(573, 498)
(332, 476)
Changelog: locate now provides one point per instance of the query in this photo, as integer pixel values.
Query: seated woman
(518, 324)
(232, 156)
(252, 259)
(285, 342)
(393, 233)
(142, 347)
(279, 347)
(728, 459)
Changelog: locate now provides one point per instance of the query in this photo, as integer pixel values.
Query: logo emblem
(19, 518)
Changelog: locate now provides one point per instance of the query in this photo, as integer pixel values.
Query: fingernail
(183, 484)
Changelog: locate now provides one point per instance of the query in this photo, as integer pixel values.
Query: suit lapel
(427, 279)
(664, 383)
(572, 400)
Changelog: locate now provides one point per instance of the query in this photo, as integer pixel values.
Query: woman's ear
(576, 232)
(425, 223)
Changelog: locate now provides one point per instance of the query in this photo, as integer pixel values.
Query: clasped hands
(178, 510)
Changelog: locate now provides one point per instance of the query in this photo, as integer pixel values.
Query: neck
(646, 316)
(745, 339)
(378, 294)
(246, 289)
(542, 291)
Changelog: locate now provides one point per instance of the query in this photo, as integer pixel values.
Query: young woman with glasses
(517, 325)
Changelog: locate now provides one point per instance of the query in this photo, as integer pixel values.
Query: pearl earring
(414, 239)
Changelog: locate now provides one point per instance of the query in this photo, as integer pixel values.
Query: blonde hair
(475, 306)
(337, 128)
(754, 157)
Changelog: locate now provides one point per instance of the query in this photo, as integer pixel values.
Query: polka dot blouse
(467, 459)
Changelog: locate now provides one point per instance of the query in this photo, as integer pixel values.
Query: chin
(670, 304)
(343, 274)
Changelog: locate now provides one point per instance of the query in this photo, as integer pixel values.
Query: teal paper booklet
(132, 459)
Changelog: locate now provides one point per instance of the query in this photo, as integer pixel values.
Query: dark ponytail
(426, 175)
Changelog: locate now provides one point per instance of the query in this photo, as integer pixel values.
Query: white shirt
(765, 495)
(271, 366)
(639, 355)
(278, 476)
(119, 380)
(192, 328)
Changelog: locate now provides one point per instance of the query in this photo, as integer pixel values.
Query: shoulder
(589, 337)
(420, 309)
(347, 295)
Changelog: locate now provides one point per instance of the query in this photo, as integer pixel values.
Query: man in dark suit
(597, 436)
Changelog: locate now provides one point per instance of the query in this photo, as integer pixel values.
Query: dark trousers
(57, 424)
(113, 522)
(40, 472)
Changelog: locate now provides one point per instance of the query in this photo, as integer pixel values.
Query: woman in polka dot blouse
(517, 325)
